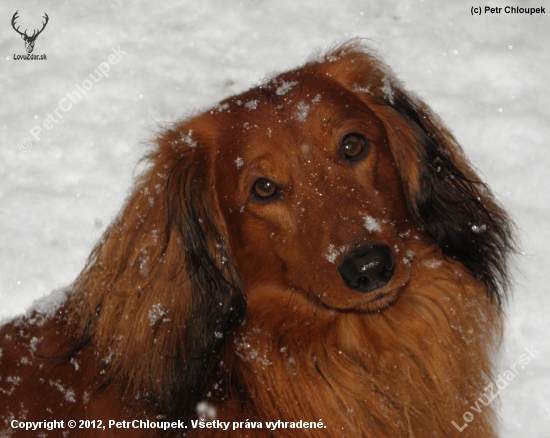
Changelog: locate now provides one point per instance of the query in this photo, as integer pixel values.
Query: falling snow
(491, 93)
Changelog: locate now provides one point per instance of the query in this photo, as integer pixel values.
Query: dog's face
(310, 194)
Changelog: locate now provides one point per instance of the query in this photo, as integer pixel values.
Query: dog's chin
(374, 301)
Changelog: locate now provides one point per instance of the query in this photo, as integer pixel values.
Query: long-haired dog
(316, 249)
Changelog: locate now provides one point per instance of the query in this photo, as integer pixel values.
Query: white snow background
(486, 75)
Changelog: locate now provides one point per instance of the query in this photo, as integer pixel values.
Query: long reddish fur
(195, 294)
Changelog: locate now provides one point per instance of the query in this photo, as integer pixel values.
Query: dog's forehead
(293, 109)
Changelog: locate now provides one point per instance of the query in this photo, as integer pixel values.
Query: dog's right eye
(264, 189)
(354, 146)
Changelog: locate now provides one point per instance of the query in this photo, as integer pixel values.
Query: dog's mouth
(379, 300)
(373, 301)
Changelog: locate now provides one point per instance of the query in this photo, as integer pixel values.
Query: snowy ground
(487, 76)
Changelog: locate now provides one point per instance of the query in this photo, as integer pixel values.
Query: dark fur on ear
(443, 192)
(160, 293)
(452, 204)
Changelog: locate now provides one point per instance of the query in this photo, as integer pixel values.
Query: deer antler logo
(29, 40)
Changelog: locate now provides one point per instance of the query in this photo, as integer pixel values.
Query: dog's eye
(354, 146)
(264, 189)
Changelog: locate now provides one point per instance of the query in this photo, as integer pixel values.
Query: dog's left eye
(354, 146)
(264, 189)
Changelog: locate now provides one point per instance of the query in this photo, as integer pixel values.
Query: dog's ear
(444, 194)
(160, 292)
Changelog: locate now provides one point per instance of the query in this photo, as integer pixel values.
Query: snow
(432, 263)
(285, 87)
(333, 252)
(206, 411)
(387, 90)
(302, 110)
(371, 224)
(252, 104)
(68, 393)
(157, 313)
(188, 139)
(486, 76)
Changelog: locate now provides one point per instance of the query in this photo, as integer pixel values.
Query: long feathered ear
(160, 292)
(443, 192)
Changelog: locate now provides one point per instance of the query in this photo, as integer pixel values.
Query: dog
(313, 257)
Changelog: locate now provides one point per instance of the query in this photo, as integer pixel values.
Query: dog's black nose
(367, 268)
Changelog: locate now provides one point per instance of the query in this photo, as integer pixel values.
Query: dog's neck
(367, 366)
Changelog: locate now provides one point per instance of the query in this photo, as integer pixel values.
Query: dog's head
(310, 194)
(323, 175)
(314, 183)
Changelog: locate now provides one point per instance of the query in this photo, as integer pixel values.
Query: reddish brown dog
(317, 248)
